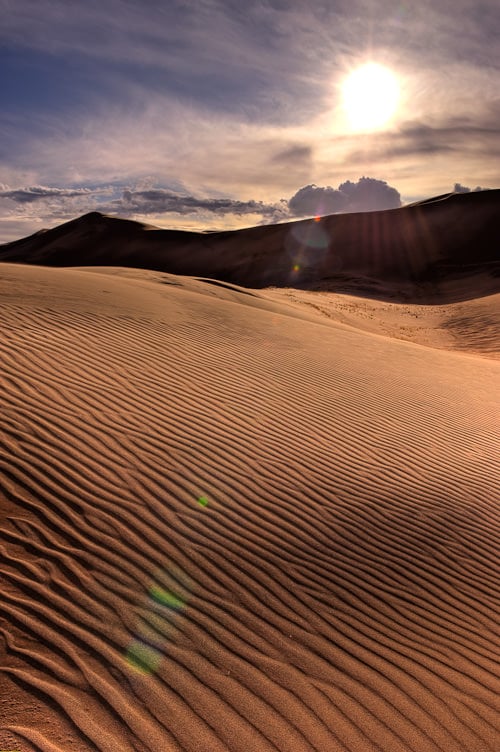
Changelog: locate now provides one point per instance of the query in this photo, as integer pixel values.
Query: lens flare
(165, 597)
(157, 622)
(307, 245)
(143, 658)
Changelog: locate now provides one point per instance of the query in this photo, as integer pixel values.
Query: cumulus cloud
(463, 188)
(312, 200)
(370, 194)
(367, 194)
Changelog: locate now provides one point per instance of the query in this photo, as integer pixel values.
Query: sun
(370, 97)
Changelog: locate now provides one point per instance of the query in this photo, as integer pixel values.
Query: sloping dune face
(227, 525)
(416, 247)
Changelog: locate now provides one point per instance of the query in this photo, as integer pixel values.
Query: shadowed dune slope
(417, 247)
(231, 525)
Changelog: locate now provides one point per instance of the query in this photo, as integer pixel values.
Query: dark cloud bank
(40, 193)
(159, 201)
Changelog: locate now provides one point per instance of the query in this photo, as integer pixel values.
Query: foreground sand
(229, 522)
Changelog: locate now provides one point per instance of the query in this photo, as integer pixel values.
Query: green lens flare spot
(143, 658)
(203, 501)
(166, 597)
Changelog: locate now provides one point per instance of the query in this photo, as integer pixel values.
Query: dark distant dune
(411, 252)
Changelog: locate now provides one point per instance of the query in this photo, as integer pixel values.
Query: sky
(216, 114)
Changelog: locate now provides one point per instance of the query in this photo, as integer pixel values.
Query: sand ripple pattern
(224, 528)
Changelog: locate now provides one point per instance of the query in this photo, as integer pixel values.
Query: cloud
(370, 194)
(41, 193)
(214, 53)
(24, 210)
(157, 201)
(13, 229)
(239, 98)
(297, 154)
(463, 188)
(446, 137)
(367, 194)
(311, 201)
(172, 142)
(264, 59)
(33, 207)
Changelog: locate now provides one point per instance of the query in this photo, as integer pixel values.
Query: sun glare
(370, 97)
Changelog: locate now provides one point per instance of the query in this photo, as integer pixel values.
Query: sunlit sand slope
(229, 524)
(471, 326)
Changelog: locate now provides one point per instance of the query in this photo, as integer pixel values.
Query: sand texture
(245, 521)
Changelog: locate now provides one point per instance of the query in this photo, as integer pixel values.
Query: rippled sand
(245, 521)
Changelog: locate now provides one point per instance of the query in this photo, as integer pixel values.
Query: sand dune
(411, 253)
(243, 520)
(471, 326)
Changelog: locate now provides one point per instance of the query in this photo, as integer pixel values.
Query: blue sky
(217, 113)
